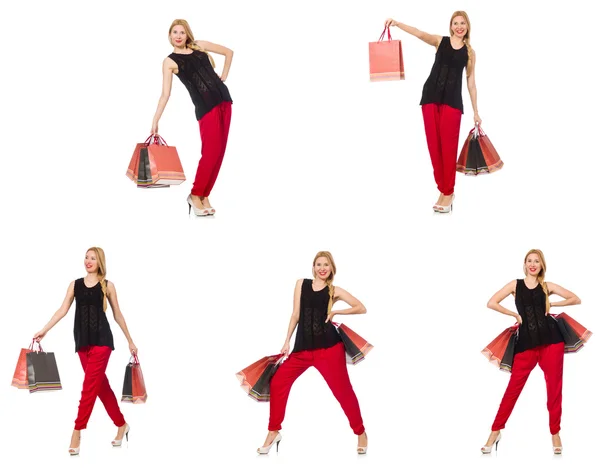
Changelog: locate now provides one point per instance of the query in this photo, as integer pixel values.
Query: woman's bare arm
(431, 39)
(494, 303)
(119, 318)
(60, 313)
(356, 307)
(218, 49)
(168, 67)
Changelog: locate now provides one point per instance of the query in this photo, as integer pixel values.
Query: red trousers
(331, 363)
(214, 130)
(442, 128)
(94, 360)
(550, 358)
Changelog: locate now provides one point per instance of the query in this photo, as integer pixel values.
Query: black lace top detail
(313, 332)
(206, 88)
(444, 85)
(537, 328)
(91, 326)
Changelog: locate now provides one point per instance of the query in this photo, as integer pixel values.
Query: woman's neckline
(184, 53)
(313, 288)
(86, 286)
(450, 40)
(536, 286)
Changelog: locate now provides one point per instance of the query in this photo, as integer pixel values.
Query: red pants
(442, 127)
(550, 358)
(94, 360)
(331, 363)
(214, 130)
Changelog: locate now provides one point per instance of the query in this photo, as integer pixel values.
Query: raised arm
(168, 67)
(60, 313)
(356, 307)
(218, 49)
(431, 39)
(473, 88)
(114, 305)
(500, 295)
(294, 318)
(569, 297)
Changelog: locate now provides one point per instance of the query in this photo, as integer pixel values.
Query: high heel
(118, 442)
(197, 211)
(488, 449)
(445, 209)
(557, 449)
(74, 451)
(361, 449)
(265, 450)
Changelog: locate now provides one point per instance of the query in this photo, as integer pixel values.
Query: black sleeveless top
(206, 88)
(91, 326)
(313, 332)
(444, 85)
(537, 328)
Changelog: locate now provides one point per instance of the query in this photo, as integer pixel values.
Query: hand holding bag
(478, 155)
(385, 59)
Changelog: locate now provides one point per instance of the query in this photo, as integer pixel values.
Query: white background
(318, 158)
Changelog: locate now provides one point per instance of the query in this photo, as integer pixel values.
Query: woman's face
(459, 26)
(91, 264)
(533, 264)
(322, 268)
(178, 36)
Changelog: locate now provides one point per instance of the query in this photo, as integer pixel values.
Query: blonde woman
(93, 342)
(539, 341)
(193, 65)
(318, 345)
(441, 101)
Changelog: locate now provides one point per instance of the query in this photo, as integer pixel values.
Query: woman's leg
(331, 363)
(281, 384)
(431, 120)
(551, 362)
(523, 364)
(94, 361)
(225, 121)
(214, 129)
(449, 130)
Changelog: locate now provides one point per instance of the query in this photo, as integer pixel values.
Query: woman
(317, 344)
(195, 68)
(539, 340)
(441, 102)
(93, 342)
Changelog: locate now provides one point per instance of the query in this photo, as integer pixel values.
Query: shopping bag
(134, 387)
(501, 351)
(478, 155)
(134, 164)
(42, 371)
(356, 346)
(574, 334)
(255, 379)
(385, 59)
(20, 379)
(159, 165)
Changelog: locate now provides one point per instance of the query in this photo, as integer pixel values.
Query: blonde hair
(329, 281)
(190, 42)
(467, 38)
(542, 274)
(101, 260)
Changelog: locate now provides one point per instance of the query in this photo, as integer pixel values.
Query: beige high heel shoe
(488, 449)
(118, 442)
(74, 451)
(266, 449)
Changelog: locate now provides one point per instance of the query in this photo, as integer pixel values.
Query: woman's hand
(39, 335)
(285, 350)
(154, 129)
(330, 316)
(477, 119)
(390, 22)
(133, 349)
(519, 319)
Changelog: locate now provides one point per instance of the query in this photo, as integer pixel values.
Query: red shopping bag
(155, 164)
(20, 379)
(255, 379)
(355, 345)
(134, 387)
(385, 59)
(478, 155)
